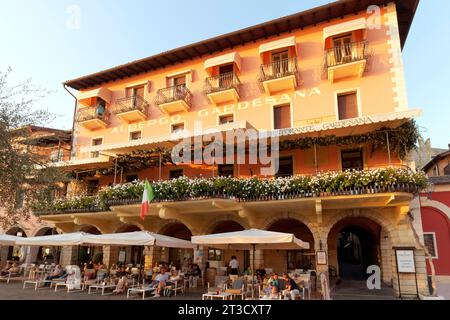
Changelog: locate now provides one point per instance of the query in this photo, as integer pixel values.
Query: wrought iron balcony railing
(222, 82)
(91, 113)
(172, 94)
(278, 69)
(130, 104)
(347, 53)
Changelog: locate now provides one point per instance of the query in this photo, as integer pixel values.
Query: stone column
(110, 255)
(69, 255)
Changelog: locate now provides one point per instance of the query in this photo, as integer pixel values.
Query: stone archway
(90, 254)
(49, 254)
(175, 256)
(353, 245)
(284, 260)
(16, 253)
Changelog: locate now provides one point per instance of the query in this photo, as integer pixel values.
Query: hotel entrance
(354, 245)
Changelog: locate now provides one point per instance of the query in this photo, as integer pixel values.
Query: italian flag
(147, 197)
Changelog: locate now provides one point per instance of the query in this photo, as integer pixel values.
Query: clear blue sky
(37, 44)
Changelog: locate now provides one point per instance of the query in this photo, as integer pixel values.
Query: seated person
(5, 270)
(260, 273)
(194, 274)
(159, 282)
(57, 273)
(291, 290)
(173, 279)
(122, 285)
(272, 285)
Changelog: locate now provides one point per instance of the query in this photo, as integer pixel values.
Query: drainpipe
(73, 121)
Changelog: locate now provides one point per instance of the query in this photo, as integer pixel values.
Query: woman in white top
(234, 266)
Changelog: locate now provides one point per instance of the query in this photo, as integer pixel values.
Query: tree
(24, 173)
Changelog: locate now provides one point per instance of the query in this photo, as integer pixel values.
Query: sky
(41, 40)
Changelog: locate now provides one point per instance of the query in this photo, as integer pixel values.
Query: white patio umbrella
(137, 238)
(8, 240)
(65, 239)
(251, 239)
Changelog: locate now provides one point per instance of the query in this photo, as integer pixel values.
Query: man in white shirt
(234, 266)
(160, 282)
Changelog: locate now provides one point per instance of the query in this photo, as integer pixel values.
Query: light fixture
(19, 233)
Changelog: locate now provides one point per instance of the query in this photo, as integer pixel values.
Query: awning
(66, 239)
(8, 240)
(232, 57)
(138, 238)
(87, 163)
(251, 239)
(278, 44)
(85, 98)
(341, 28)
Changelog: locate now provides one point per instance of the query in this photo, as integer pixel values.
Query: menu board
(405, 260)
(321, 257)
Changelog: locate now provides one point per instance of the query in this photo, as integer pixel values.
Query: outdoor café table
(140, 290)
(101, 286)
(222, 295)
(37, 283)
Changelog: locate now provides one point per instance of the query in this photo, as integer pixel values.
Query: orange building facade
(333, 75)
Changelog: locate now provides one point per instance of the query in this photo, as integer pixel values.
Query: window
(92, 187)
(214, 255)
(447, 170)
(429, 239)
(282, 117)
(280, 62)
(228, 118)
(226, 75)
(342, 47)
(352, 159)
(137, 93)
(132, 177)
(136, 135)
(226, 170)
(96, 142)
(285, 167)
(347, 106)
(176, 173)
(179, 127)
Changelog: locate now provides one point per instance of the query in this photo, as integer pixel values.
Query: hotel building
(327, 82)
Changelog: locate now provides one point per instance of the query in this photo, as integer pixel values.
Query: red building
(435, 212)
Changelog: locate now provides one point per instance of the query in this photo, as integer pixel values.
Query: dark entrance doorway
(357, 246)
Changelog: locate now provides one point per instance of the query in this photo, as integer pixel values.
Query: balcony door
(226, 75)
(179, 87)
(342, 47)
(136, 94)
(280, 63)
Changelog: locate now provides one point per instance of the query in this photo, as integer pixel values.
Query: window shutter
(348, 106)
(282, 117)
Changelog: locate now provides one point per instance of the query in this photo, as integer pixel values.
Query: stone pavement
(357, 290)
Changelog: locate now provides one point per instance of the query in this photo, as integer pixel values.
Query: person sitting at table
(14, 269)
(159, 282)
(58, 272)
(5, 270)
(260, 273)
(273, 285)
(194, 274)
(291, 290)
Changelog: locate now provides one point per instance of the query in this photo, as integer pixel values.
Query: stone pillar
(32, 252)
(386, 257)
(69, 255)
(110, 255)
(3, 255)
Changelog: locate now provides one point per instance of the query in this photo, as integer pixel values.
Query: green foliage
(245, 189)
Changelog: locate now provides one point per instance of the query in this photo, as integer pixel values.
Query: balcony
(131, 109)
(345, 61)
(93, 118)
(174, 99)
(336, 190)
(223, 88)
(279, 75)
